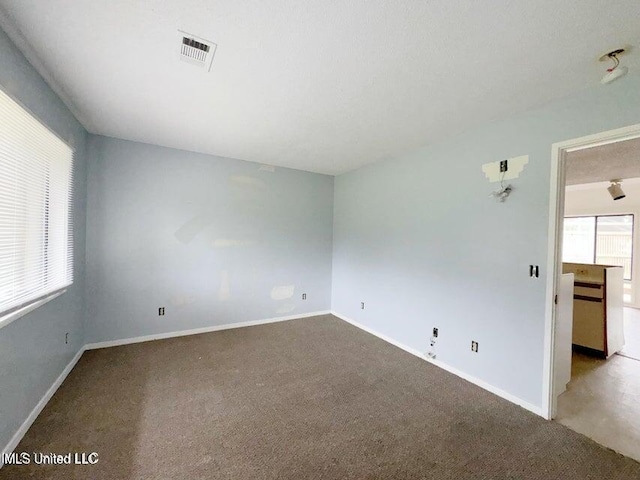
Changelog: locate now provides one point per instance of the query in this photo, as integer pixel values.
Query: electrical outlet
(474, 346)
(66, 338)
(304, 296)
(161, 311)
(534, 271)
(361, 305)
(504, 166)
(435, 332)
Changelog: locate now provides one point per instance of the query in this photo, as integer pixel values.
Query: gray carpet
(304, 399)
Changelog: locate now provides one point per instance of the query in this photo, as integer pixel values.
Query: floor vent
(196, 50)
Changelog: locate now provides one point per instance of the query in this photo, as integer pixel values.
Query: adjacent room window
(601, 239)
(36, 248)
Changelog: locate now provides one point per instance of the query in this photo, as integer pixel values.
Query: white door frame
(554, 259)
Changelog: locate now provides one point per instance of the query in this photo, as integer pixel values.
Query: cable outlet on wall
(431, 351)
(474, 346)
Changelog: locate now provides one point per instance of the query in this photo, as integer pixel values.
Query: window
(36, 247)
(604, 240)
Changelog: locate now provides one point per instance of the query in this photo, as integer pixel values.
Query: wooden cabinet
(597, 307)
(589, 319)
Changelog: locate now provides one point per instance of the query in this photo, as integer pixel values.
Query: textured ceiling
(606, 162)
(318, 85)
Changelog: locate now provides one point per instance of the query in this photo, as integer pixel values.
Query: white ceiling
(620, 160)
(319, 85)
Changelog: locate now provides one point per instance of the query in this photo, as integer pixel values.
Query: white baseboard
(476, 381)
(195, 331)
(15, 440)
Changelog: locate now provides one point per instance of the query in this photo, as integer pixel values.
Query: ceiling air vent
(196, 50)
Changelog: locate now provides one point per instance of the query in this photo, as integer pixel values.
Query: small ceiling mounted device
(615, 190)
(617, 70)
(196, 50)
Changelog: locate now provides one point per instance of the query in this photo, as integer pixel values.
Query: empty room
(317, 239)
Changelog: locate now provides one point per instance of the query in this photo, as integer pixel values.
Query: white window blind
(36, 243)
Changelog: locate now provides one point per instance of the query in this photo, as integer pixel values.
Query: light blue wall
(419, 240)
(206, 237)
(33, 352)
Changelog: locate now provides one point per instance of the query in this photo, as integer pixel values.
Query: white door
(563, 335)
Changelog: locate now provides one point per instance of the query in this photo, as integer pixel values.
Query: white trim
(16, 314)
(476, 381)
(15, 440)
(554, 261)
(195, 331)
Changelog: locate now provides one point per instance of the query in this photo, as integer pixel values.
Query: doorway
(593, 283)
